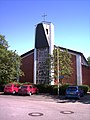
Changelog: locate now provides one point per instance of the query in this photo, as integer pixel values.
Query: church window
(47, 31)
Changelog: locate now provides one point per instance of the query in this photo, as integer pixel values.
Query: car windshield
(72, 88)
(23, 87)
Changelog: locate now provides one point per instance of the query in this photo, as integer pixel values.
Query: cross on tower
(44, 15)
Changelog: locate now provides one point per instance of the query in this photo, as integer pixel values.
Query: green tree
(9, 63)
(88, 59)
(60, 64)
(3, 42)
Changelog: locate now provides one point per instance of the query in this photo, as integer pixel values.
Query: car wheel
(82, 95)
(37, 92)
(30, 93)
(14, 92)
(79, 96)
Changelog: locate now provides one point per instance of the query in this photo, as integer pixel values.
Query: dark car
(28, 90)
(74, 92)
(11, 88)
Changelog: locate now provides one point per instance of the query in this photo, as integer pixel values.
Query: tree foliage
(88, 59)
(9, 63)
(62, 60)
(3, 42)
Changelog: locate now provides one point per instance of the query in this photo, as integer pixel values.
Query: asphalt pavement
(53, 98)
(44, 106)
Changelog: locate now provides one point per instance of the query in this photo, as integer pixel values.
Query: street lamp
(58, 68)
(57, 50)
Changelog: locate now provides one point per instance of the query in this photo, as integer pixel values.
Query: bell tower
(44, 45)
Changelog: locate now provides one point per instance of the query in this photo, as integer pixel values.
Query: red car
(11, 88)
(28, 90)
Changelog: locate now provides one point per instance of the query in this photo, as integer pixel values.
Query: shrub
(85, 88)
(63, 89)
(89, 89)
(29, 83)
(54, 89)
(43, 88)
(1, 88)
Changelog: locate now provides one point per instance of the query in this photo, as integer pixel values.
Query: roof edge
(73, 51)
(29, 52)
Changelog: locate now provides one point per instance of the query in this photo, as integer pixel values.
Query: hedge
(53, 89)
(85, 88)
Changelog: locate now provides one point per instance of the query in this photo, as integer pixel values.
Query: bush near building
(53, 89)
(85, 88)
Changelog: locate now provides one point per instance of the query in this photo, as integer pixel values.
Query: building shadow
(54, 98)
(61, 99)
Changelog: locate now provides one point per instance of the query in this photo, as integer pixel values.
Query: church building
(33, 61)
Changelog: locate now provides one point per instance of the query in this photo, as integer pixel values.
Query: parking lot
(43, 106)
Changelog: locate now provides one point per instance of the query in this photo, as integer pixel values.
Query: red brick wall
(72, 79)
(27, 67)
(86, 75)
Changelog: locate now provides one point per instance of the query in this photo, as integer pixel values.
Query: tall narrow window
(47, 31)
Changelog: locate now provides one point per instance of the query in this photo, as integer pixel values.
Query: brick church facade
(33, 60)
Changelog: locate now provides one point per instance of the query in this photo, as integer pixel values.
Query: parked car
(28, 90)
(11, 88)
(74, 92)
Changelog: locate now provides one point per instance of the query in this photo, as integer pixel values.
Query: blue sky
(71, 19)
